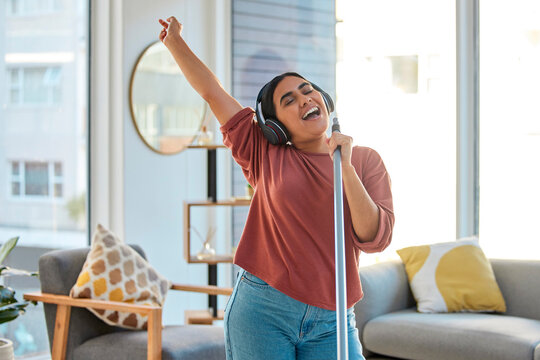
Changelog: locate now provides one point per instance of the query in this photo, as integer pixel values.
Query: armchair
(75, 333)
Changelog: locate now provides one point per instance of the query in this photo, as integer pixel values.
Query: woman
(283, 305)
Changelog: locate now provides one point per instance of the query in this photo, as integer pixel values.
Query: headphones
(273, 130)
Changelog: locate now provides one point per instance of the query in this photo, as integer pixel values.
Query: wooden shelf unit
(202, 317)
(192, 259)
(212, 313)
(209, 146)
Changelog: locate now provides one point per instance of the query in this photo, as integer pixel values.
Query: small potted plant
(249, 191)
(10, 307)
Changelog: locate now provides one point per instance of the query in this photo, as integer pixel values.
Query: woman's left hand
(346, 142)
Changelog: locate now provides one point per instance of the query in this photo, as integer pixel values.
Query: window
(405, 73)
(43, 144)
(16, 179)
(303, 42)
(36, 179)
(57, 180)
(32, 7)
(396, 94)
(35, 85)
(509, 126)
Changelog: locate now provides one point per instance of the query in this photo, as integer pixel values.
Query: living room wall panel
(156, 185)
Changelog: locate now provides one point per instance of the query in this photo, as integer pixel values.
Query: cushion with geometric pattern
(114, 271)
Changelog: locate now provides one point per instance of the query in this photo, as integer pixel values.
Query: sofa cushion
(412, 335)
(192, 342)
(452, 276)
(114, 271)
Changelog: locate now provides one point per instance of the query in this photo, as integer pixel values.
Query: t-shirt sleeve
(244, 138)
(378, 185)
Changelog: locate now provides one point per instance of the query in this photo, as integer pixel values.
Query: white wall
(155, 186)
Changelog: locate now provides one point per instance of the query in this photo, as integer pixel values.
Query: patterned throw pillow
(115, 271)
(452, 277)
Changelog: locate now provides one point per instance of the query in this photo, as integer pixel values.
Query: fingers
(164, 23)
(331, 146)
(163, 32)
(338, 139)
(172, 25)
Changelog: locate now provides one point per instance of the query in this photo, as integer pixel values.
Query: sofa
(391, 328)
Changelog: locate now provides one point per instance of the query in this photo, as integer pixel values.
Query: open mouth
(311, 113)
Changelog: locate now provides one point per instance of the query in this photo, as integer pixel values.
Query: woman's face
(301, 109)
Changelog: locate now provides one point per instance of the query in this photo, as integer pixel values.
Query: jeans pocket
(252, 280)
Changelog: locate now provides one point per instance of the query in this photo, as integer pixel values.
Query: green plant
(76, 207)
(10, 307)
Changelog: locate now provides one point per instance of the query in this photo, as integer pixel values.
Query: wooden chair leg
(154, 335)
(61, 328)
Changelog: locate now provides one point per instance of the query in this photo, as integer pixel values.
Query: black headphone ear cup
(329, 102)
(275, 132)
(269, 134)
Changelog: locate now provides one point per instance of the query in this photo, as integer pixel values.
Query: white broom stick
(341, 280)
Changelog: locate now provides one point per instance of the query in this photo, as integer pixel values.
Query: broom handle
(341, 283)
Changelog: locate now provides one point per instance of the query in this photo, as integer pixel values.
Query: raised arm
(201, 78)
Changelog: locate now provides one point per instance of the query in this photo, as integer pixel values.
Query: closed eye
(291, 99)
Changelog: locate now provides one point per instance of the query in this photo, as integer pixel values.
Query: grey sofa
(90, 338)
(391, 328)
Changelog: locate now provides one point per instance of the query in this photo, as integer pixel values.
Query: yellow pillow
(451, 277)
(115, 271)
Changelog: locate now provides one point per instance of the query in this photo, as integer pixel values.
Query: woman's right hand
(172, 29)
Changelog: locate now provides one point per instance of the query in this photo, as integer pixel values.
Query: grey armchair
(75, 333)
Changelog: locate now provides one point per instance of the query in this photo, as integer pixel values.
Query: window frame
(20, 178)
(467, 96)
(50, 89)
(52, 7)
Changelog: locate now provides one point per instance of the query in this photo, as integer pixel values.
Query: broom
(341, 281)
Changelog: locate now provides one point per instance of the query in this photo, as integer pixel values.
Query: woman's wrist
(175, 43)
(348, 168)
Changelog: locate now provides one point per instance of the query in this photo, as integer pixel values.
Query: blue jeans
(262, 323)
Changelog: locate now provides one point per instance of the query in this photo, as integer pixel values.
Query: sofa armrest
(386, 289)
(519, 281)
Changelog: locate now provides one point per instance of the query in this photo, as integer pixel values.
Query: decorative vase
(206, 253)
(205, 136)
(6, 350)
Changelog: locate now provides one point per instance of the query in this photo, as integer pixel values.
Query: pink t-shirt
(288, 239)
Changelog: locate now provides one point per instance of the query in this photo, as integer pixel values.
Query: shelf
(218, 258)
(202, 317)
(231, 202)
(209, 146)
(208, 316)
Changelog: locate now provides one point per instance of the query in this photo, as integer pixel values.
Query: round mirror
(166, 111)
